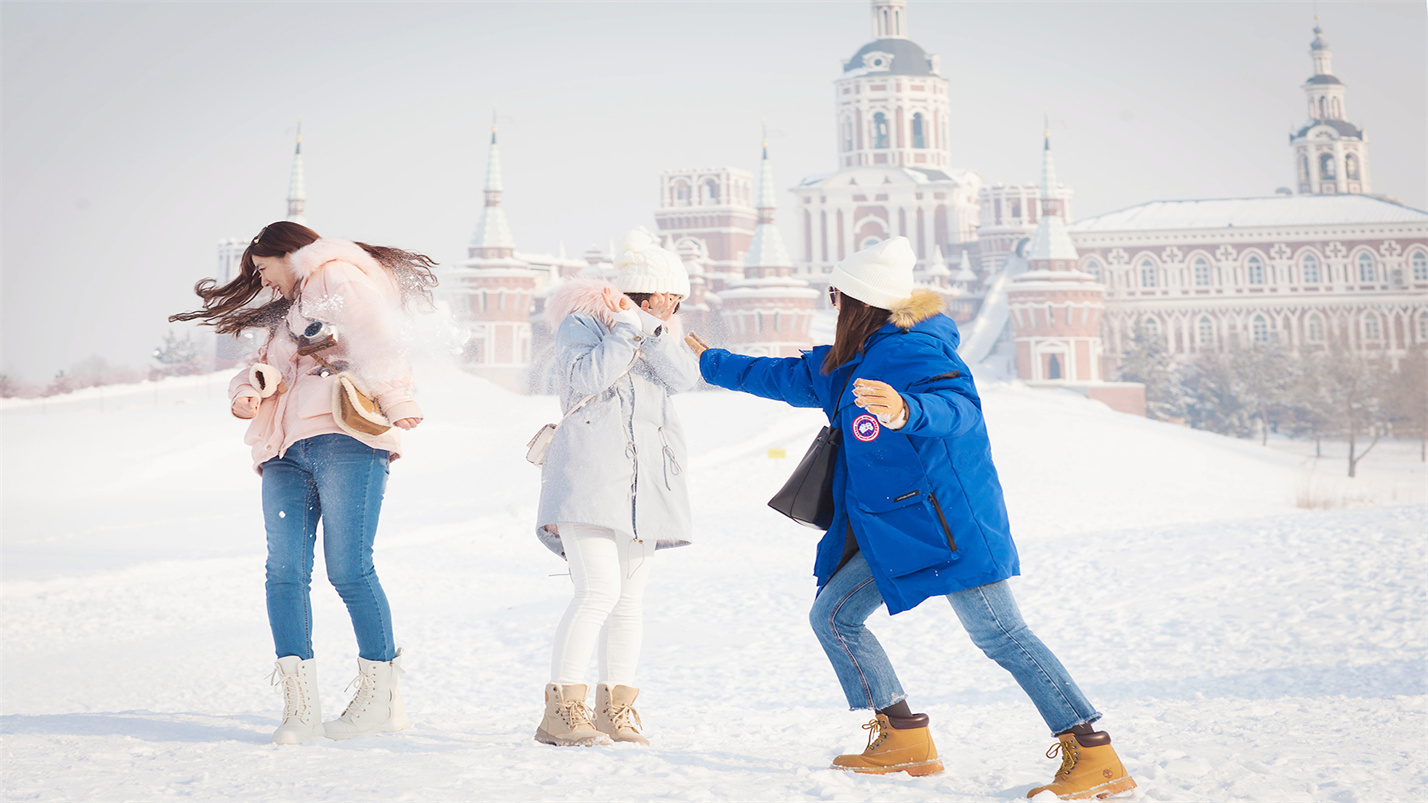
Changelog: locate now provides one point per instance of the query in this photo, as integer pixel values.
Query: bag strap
(592, 396)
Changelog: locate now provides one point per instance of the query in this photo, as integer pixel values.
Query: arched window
(759, 318)
(1309, 269)
(1314, 328)
(847, 133)
(500, 299)
(711, 192)
(1201, 267)
(1367, 268)
(1147, 273)
(1050, 315)
(1322, 114)
(1254, 270)
(880, 130)
(919, 139)
(777, 316)
(1053, 368)
(1326, 166)
(1303, 167)
(1205, 331)
(1351, 167)
(1373, 328)
(1335, 109)
(1419, 261)
(1093, 267)
(1259, 329)
(681, 193)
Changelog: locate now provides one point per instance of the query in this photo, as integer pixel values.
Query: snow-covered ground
(1241, 647)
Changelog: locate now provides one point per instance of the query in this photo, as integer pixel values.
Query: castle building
(1055, 309)
(769, 312)
(711, 210)
(1330, 153)
(494, 291)
(1331, 263)
(894, 173)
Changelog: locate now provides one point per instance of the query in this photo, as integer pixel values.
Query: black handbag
(807, 496)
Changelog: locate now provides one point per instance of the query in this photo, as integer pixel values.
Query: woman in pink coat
(333, 330)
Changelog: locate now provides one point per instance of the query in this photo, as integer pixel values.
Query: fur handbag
(355, 410)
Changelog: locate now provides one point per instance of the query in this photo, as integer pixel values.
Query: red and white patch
(866, 427)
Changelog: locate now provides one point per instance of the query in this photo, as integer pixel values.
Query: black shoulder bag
(807, 496)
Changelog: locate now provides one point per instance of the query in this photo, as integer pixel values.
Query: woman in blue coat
(918, 513)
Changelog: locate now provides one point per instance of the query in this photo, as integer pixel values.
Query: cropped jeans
(339, 480)
(988, 613)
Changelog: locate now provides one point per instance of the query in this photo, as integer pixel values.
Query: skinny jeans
(609, 571)
(988, 613)
(340, 481)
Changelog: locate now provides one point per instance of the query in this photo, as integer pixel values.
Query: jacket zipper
(943, 519)
(634, 467)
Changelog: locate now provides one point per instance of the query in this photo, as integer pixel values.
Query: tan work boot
(567, 719)
(895, 744)
(1089, 768)
(615, 713)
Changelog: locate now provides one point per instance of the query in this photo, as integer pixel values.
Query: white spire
(1049, 189)
(297, 190)
(1051, 240)
(890, 19)
(493, 236)
(767, 250)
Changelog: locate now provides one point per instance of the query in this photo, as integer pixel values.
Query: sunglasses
(833, 295)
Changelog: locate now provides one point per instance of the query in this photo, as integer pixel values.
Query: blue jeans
(339, 480)
(988, 613)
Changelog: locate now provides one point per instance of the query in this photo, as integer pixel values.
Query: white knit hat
(879, 275)
(644, 267)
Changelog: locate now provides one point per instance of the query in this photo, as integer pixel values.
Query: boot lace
(576, 714)
(620, 717)
(1069, 757)
(294, 700)
(876, 733)
(366, 685)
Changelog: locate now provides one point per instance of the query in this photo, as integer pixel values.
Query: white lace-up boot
(377, 705)
(302, 711)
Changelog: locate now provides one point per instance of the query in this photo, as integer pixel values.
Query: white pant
(609, 571)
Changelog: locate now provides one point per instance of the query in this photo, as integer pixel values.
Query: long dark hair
(226, 307)
(856, 323)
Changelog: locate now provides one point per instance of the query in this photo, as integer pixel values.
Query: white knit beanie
(879, 275)
(644, 267)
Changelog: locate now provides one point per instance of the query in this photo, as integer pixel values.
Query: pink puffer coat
(340, 284)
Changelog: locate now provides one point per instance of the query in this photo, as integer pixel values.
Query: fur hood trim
(309, 259)
(916, 308)
(579, 295)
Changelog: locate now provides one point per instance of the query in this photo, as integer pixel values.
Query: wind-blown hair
(228, 308)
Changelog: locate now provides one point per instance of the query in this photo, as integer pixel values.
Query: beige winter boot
(1090, 768)
(567, 718)
(377, 705)
(895, 744)
(302, 711)
(615, 713)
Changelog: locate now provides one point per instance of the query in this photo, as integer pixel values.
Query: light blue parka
(619, 461)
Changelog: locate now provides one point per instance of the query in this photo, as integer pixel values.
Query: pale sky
(136, 135)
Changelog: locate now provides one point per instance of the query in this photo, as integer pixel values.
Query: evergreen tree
(1215, 397)
(1148, 362)
(176, 357)
(1265, 372)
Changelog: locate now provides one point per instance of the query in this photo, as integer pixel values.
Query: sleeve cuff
(406, 409)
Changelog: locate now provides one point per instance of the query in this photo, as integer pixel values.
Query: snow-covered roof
(1051, 240)
(1278, 210)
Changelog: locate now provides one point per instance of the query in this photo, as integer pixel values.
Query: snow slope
(1241, 648)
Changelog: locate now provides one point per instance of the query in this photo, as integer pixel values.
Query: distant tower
(769, 312)
(1330, 153)
(1055, 307)
(493, 291)
(297, 190)
(710, 207)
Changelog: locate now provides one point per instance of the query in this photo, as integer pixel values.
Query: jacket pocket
(905, 533)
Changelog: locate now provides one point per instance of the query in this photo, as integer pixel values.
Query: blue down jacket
(924, 501)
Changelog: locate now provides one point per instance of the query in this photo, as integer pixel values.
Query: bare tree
(1408, 398)
(1355, 387)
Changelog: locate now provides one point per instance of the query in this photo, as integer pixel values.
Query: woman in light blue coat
(613, 484)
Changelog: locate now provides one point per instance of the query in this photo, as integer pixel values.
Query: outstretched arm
(785, 379)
